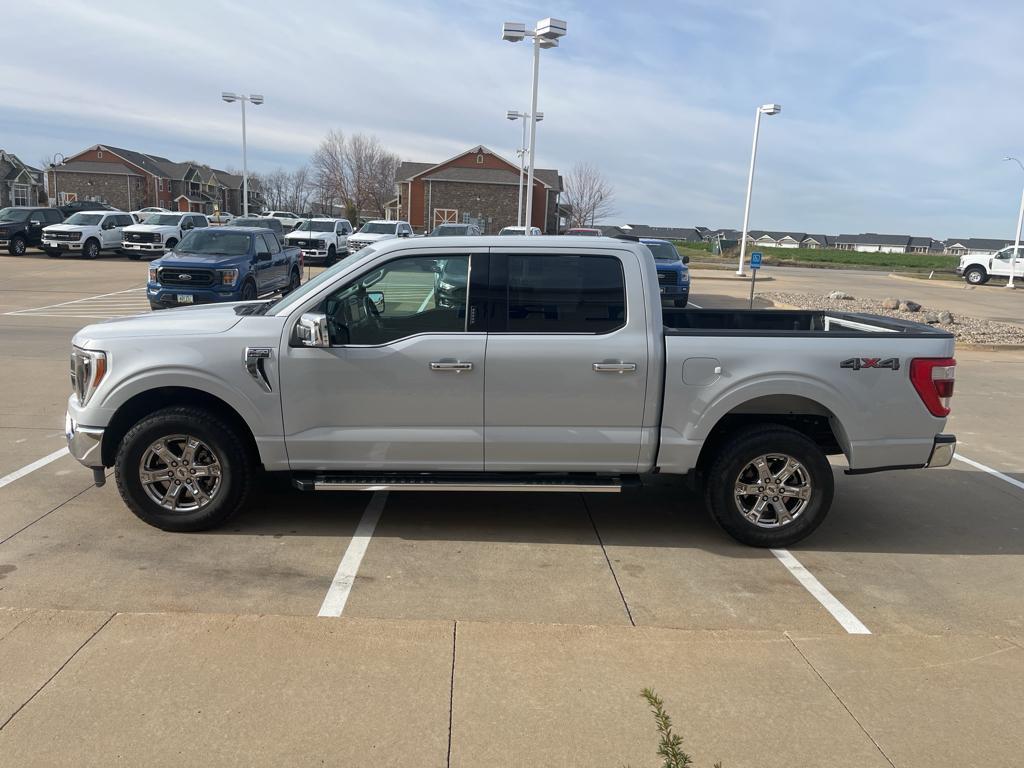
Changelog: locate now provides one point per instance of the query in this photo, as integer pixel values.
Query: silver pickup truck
(477, 364)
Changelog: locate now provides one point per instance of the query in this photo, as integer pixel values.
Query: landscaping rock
(840, 295)
(946, 317)
(890, 303)
(909, 306)
(931, 317)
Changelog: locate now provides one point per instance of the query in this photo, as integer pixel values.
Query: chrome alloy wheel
(180, 473)
(773, 490)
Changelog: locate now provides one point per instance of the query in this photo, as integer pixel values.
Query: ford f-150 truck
(216, 264)
(159, 232)
(321, 239)
(556, 370)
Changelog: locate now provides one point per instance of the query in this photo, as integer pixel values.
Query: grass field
(827, 257)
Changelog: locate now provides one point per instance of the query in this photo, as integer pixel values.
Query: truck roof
(497, 241)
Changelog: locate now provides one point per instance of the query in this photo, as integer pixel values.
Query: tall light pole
(545, 35)
(256, 99)
(764, 109)
(53, 170)
(521, 154)
(1020, 222)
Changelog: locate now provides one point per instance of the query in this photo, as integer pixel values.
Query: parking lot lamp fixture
(764, 109)
(545, 34)
(54, 162)
(256, 99)
(521, 154)
(1020, 222)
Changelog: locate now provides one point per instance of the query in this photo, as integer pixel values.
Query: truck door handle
(445, 366)
(614, 367)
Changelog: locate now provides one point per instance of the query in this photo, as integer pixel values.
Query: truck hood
(69, 227)
(308, 235)
(201, 260)
(150, 228)
(203, 320)
(367, 238)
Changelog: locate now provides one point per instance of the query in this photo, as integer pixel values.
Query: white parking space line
(994, 472)
(839, 611)
(694, 304)
(341, 587)
(131, 301)
(29, 468)
(423, 306)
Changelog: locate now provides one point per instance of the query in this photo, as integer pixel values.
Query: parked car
(377, 230)
(260, 221)
(455, 230)
(978, 270)
(451, 279)
(223, 217)
(584, 232)
(87, 232)
(217, 264)
(673, 272)
(563, 373)
(506, 231)
(22, 227)
(144, 213)
(321, 239)
(288, 219)
(84, 205)
(161, 232)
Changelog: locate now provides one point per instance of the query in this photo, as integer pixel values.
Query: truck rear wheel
(770, 486)
(183, 469)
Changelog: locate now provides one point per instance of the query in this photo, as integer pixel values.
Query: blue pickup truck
(673, 274)
(215, 264)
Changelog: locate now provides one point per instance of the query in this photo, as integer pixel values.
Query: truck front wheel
(770, 486)
(976, 276)
(183, 469)
(332, 256)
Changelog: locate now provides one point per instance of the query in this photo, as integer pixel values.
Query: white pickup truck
(978, 270)
(159, 233)
(321, 239)
(553, 368)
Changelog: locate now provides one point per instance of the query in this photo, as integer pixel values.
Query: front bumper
(4, 243)
(84, 443)
(161, 297)
(150, 247)
(63, 245)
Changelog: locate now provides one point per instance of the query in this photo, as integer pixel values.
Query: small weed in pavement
(670, 743)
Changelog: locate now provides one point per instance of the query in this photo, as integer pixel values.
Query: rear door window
(565, 294)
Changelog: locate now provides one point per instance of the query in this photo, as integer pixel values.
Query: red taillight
(933, 379)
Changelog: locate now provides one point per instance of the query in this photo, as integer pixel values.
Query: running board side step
(463, 482)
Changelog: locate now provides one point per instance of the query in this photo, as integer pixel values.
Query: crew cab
(21, 227)
(217, 264)
(160, 232)
(978, 270)
(673, 272)
(87, 232)
(377, 230)
(557, 370)
(321, 239)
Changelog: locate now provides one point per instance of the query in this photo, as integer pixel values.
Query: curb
(710, 274)
(925, 281)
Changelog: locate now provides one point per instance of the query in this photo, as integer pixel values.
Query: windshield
(299, 294)
(13, 214)
(378, 228)
(216, 242)
(664, 251)
(450, 229)
(315, 226)
(251, 222)
(512, 231)
(88, 219)
(164, 219)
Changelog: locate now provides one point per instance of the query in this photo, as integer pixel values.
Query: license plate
(185, 298)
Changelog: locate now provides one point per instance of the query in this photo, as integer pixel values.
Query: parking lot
(499, 629)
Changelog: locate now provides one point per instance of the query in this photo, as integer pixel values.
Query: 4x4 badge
(856, 363)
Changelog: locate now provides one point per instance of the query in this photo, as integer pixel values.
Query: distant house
(765, 239)
(925, 245)
(818, 241)
(975, 246)
(20, 183)
(871, 242)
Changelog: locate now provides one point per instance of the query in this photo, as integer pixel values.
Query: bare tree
(588, 195)
(356, 171)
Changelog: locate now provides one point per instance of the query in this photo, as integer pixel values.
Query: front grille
(667, 278)
(143, 237)
(355, 245)
(186, 278)
(65, 236)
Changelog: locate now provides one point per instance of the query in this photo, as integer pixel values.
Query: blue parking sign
(755, 260)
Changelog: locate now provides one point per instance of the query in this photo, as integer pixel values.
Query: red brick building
(478, 185)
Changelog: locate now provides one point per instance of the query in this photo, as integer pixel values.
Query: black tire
(169, 245)
(736, 457)
(91, 249)
(294, 281)
(248, 291)
(976, 275)
(332, 256)
(681, 303)
(18, 247)
(237, 471)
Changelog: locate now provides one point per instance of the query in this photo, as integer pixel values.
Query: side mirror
(686, 259)
(377, 297)
(262, 256)
(311, 330)
(403, 234)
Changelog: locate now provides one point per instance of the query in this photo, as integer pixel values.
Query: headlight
(320, 245)
(152, 274)
(684, 277)
(157, 238)
(87, 371)
(228, 276)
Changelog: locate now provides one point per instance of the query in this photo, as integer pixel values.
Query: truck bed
(789, 322)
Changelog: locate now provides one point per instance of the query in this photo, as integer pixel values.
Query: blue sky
(896, 115)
